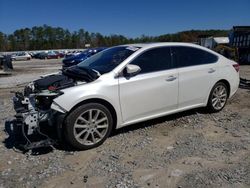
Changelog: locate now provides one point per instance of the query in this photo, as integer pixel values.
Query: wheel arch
(227, 84)
(100, 101)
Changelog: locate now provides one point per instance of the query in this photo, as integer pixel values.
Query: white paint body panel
(194, 84)
(151, 92)
(147, 96)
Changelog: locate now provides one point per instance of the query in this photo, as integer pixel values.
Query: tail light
(236, 67)
(52, 88)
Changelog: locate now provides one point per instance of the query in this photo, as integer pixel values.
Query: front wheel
(88, 126)
(218, 97)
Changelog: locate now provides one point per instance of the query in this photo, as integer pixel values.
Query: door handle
(171, 78)
(211, 70)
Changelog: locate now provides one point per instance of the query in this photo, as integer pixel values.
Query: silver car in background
(21, 56)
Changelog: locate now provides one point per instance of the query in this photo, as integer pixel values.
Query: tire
(88, 126)
(218, 98)
(9, 64)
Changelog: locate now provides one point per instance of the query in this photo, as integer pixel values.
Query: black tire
(10, 65)
(9, 62)
(210, 107)
(72, 118)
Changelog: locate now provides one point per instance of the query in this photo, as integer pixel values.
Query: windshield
(107, 60)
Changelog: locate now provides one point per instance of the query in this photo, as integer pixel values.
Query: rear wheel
(218, 97)
(88, 126)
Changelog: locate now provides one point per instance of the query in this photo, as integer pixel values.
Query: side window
(189, 56)
(153, 60)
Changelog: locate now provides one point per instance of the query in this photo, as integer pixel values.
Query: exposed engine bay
(33, 106)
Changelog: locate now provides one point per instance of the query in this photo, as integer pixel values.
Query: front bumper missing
(35, 124)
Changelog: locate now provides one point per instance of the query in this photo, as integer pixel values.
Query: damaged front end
(35, 109)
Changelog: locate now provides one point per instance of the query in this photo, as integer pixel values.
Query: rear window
(189, 56)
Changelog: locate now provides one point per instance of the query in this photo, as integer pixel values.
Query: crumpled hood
(54, 82)
(68, 78)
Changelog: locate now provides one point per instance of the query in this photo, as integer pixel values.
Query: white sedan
(21, 56)
(127, 84)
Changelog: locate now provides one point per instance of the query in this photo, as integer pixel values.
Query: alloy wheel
(91, 127)
(219, 97)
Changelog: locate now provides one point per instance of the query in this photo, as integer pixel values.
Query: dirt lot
(191, 149)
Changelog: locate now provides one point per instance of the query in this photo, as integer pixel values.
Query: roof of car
(159, 44)
(155, 44)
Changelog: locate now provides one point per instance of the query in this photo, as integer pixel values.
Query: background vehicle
(5, 63)
(73, 53)
(21, 56)
(36, 55)
(59, 54)
(127, 84)
(74, 60)
(50, 55)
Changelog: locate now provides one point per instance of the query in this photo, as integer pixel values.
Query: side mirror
(131, 70)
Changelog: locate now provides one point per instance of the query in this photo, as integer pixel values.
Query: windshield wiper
(98, 73)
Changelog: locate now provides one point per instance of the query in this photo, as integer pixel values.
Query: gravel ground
(190, 149)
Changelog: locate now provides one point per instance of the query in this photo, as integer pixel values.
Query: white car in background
(127, 84)
(21, 56)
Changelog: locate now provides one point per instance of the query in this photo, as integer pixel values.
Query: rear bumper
(234, 86)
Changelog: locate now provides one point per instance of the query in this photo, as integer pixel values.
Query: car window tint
(189, 56)
(153, 60)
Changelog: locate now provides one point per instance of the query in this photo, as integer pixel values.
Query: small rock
(170, 147)
(85, 179)
(176, 173)
(115, 156)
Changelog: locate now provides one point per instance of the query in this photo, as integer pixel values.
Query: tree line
(47, 37)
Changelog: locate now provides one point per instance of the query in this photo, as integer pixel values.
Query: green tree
(47, 37)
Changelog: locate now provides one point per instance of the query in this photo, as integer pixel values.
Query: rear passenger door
(197, 73)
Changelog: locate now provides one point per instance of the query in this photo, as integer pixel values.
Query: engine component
(29, 116)
(33, 107)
